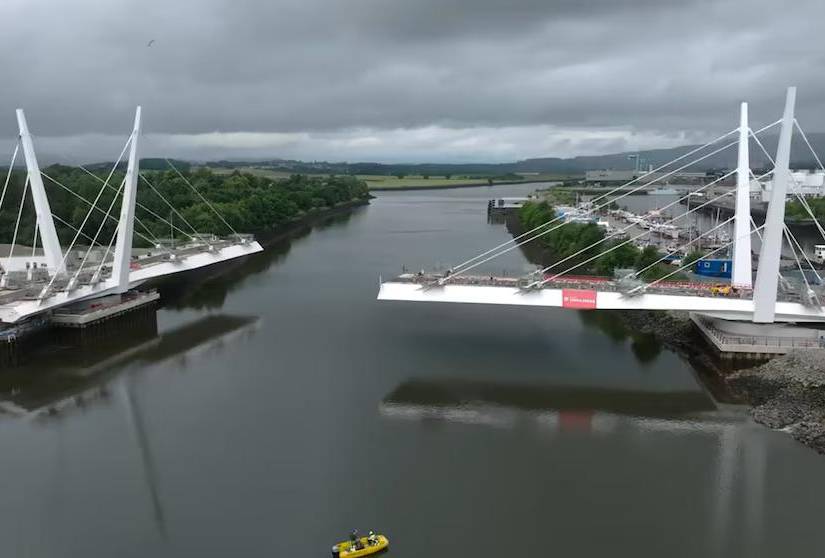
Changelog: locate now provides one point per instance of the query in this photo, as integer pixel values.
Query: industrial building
(803, 182)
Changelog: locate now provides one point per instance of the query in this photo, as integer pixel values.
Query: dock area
(87, 313)
(502, 207)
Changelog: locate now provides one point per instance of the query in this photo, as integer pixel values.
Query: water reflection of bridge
(585, 412)
(60, 381)
(49, 395)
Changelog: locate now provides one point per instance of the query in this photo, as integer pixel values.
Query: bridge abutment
(752, 340)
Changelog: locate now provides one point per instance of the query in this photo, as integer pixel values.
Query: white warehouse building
(805, 183)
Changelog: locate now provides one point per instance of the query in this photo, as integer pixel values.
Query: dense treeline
(249, 203)
(567, 241)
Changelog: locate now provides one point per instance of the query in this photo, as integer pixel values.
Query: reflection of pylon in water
(576, 421)
(138, 427)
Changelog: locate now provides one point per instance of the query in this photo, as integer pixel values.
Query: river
(279, 406)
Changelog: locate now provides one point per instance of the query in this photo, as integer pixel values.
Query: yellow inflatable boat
(360, 547)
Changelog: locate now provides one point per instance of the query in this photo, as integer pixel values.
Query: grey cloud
(272, 66)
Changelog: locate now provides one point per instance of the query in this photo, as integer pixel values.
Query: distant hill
(800, 158)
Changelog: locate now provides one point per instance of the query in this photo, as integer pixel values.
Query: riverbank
(788, 394)
(451, 186)
(268, 237)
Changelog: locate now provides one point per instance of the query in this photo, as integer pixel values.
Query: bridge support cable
(627, 228)
(808, 143)
(683, 267)
(17, 223)
(625, 242)
(685, 245)
(563, 223)
(796, 258)
(97, 234)
(462, 269)
(801, 198)
(75, 229)
(612, 248)
(804, 203)
(99, 269)
(454, 273)
(8, 174)
(48, 287)
(457, 268)
(793, 241)
(215, 211)
(807, 207)
(782, 280)
(808, 291)
(87, 202)
(34, 239)
(155, 242)
(161, 196)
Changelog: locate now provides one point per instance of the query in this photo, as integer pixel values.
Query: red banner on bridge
(578, 298)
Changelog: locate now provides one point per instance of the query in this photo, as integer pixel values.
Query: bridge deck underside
(587, 299)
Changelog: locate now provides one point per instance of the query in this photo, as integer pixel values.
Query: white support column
(48, 234)
(742, 273)
(126, 226)
(767, 275)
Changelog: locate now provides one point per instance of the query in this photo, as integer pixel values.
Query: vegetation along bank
(247, 203)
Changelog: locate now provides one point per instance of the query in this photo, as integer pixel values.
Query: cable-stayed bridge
(34, 285)
(760, 296)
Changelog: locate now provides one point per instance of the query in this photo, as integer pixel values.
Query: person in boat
(355, 540)
(372, 539)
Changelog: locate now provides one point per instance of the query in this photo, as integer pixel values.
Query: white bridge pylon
(758, 302)
(45, 223)
(125, 271)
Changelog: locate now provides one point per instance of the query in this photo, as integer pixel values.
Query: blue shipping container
(713, 268)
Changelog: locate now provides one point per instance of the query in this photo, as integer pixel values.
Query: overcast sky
(401, 80)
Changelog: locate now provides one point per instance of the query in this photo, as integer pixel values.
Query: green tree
(618, 254)
(247, 202)
(693, 256)
(646, 257)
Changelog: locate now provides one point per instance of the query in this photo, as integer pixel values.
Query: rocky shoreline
(786, 393)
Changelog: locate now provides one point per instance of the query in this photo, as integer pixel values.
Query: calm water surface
(280, 406)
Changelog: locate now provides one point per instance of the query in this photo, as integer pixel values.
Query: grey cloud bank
(403, 81)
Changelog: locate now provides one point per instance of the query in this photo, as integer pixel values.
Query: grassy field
(387, 182)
